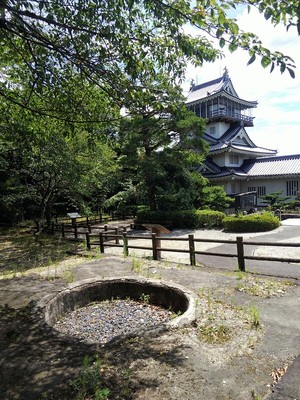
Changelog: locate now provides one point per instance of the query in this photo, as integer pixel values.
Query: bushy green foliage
(213, 198)
(259, 222)
(275, 200)
(192, 219)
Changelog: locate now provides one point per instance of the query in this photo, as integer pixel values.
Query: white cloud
(277, 117)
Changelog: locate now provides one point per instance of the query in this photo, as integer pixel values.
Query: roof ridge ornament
(226, 73)
(192, 85)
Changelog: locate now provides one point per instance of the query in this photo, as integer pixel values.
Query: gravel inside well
(101, 322)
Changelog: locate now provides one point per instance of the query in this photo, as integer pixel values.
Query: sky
(277, 116)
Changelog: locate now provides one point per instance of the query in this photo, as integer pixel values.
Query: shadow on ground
(39, 363)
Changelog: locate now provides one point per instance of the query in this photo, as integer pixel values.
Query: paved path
(288, 386)
(287, 233)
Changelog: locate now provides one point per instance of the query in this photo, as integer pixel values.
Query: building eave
(255, 152)
(223, 93)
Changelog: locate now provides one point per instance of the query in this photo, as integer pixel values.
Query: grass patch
(89, 383)
(220, 323)
(21, 250)
(261, 287)
(254, 317)
(214, 334)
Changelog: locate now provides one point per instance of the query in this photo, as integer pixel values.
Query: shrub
(189, 219)
(209, 218)
(260, 222)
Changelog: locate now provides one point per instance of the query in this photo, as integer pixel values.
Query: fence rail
(105, 236)
(157, 248)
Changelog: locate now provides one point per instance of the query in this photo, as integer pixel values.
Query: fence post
(240, 253)
(192, 250)
(37, 226)
(63, 230)
(125, 244)
(87, 220)
(117, 233)
(154, 246)
(101, 242)
(75, 231)
(88, 243)
(89, 228)
(105, 229)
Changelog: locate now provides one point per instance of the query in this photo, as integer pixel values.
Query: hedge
(187, 219)
(260, 222)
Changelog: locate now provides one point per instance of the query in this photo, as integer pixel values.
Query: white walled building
(234, 161)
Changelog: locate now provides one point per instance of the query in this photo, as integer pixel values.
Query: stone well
(170, 296)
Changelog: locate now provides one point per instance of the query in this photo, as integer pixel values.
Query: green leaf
(232, 47)
(234, 28)
(252, 59)
(268, 13)
(265, 61)
(219, 32)
(282, 67)
(222, 42)
(221, 18)
(291, 72)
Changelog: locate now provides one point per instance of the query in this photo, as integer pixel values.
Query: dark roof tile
(273, 166)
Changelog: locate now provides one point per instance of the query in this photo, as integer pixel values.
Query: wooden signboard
(157, 229)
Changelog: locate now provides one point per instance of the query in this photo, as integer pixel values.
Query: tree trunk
(150, 184)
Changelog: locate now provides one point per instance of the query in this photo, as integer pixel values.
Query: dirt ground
(245, 338)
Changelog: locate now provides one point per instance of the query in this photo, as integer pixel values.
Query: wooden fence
(74, 229)
(108, 239)
(103, 236)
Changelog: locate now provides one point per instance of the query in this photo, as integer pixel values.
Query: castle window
(261, 191)
(233, 188)
(233, 159)
(251, 189)
(212, 130)
(292, 187)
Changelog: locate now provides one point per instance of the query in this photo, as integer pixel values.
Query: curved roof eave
(257, 151)
(274, 176)
(223, 93)
(253, 178)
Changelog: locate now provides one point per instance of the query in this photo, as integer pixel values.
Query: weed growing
(136, 265)
(262, 287)
(215, 334)
(145, 298)
(89, 383)
(68, 275)
(219, 322)
(254, 317)
(255, 396)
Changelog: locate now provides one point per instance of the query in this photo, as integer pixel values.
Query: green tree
(275, 200)
(115, 45)
(158, 152)
(48, 167)
(213, 198)
(79, 63)
(295, 204)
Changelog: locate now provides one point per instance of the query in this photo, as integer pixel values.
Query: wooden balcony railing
(230, 115)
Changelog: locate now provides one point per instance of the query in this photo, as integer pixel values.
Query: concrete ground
(278, 346)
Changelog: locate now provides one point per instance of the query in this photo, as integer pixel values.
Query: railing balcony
(228, 116)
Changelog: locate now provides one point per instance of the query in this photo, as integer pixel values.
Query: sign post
(157, 229)
(73, 217)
